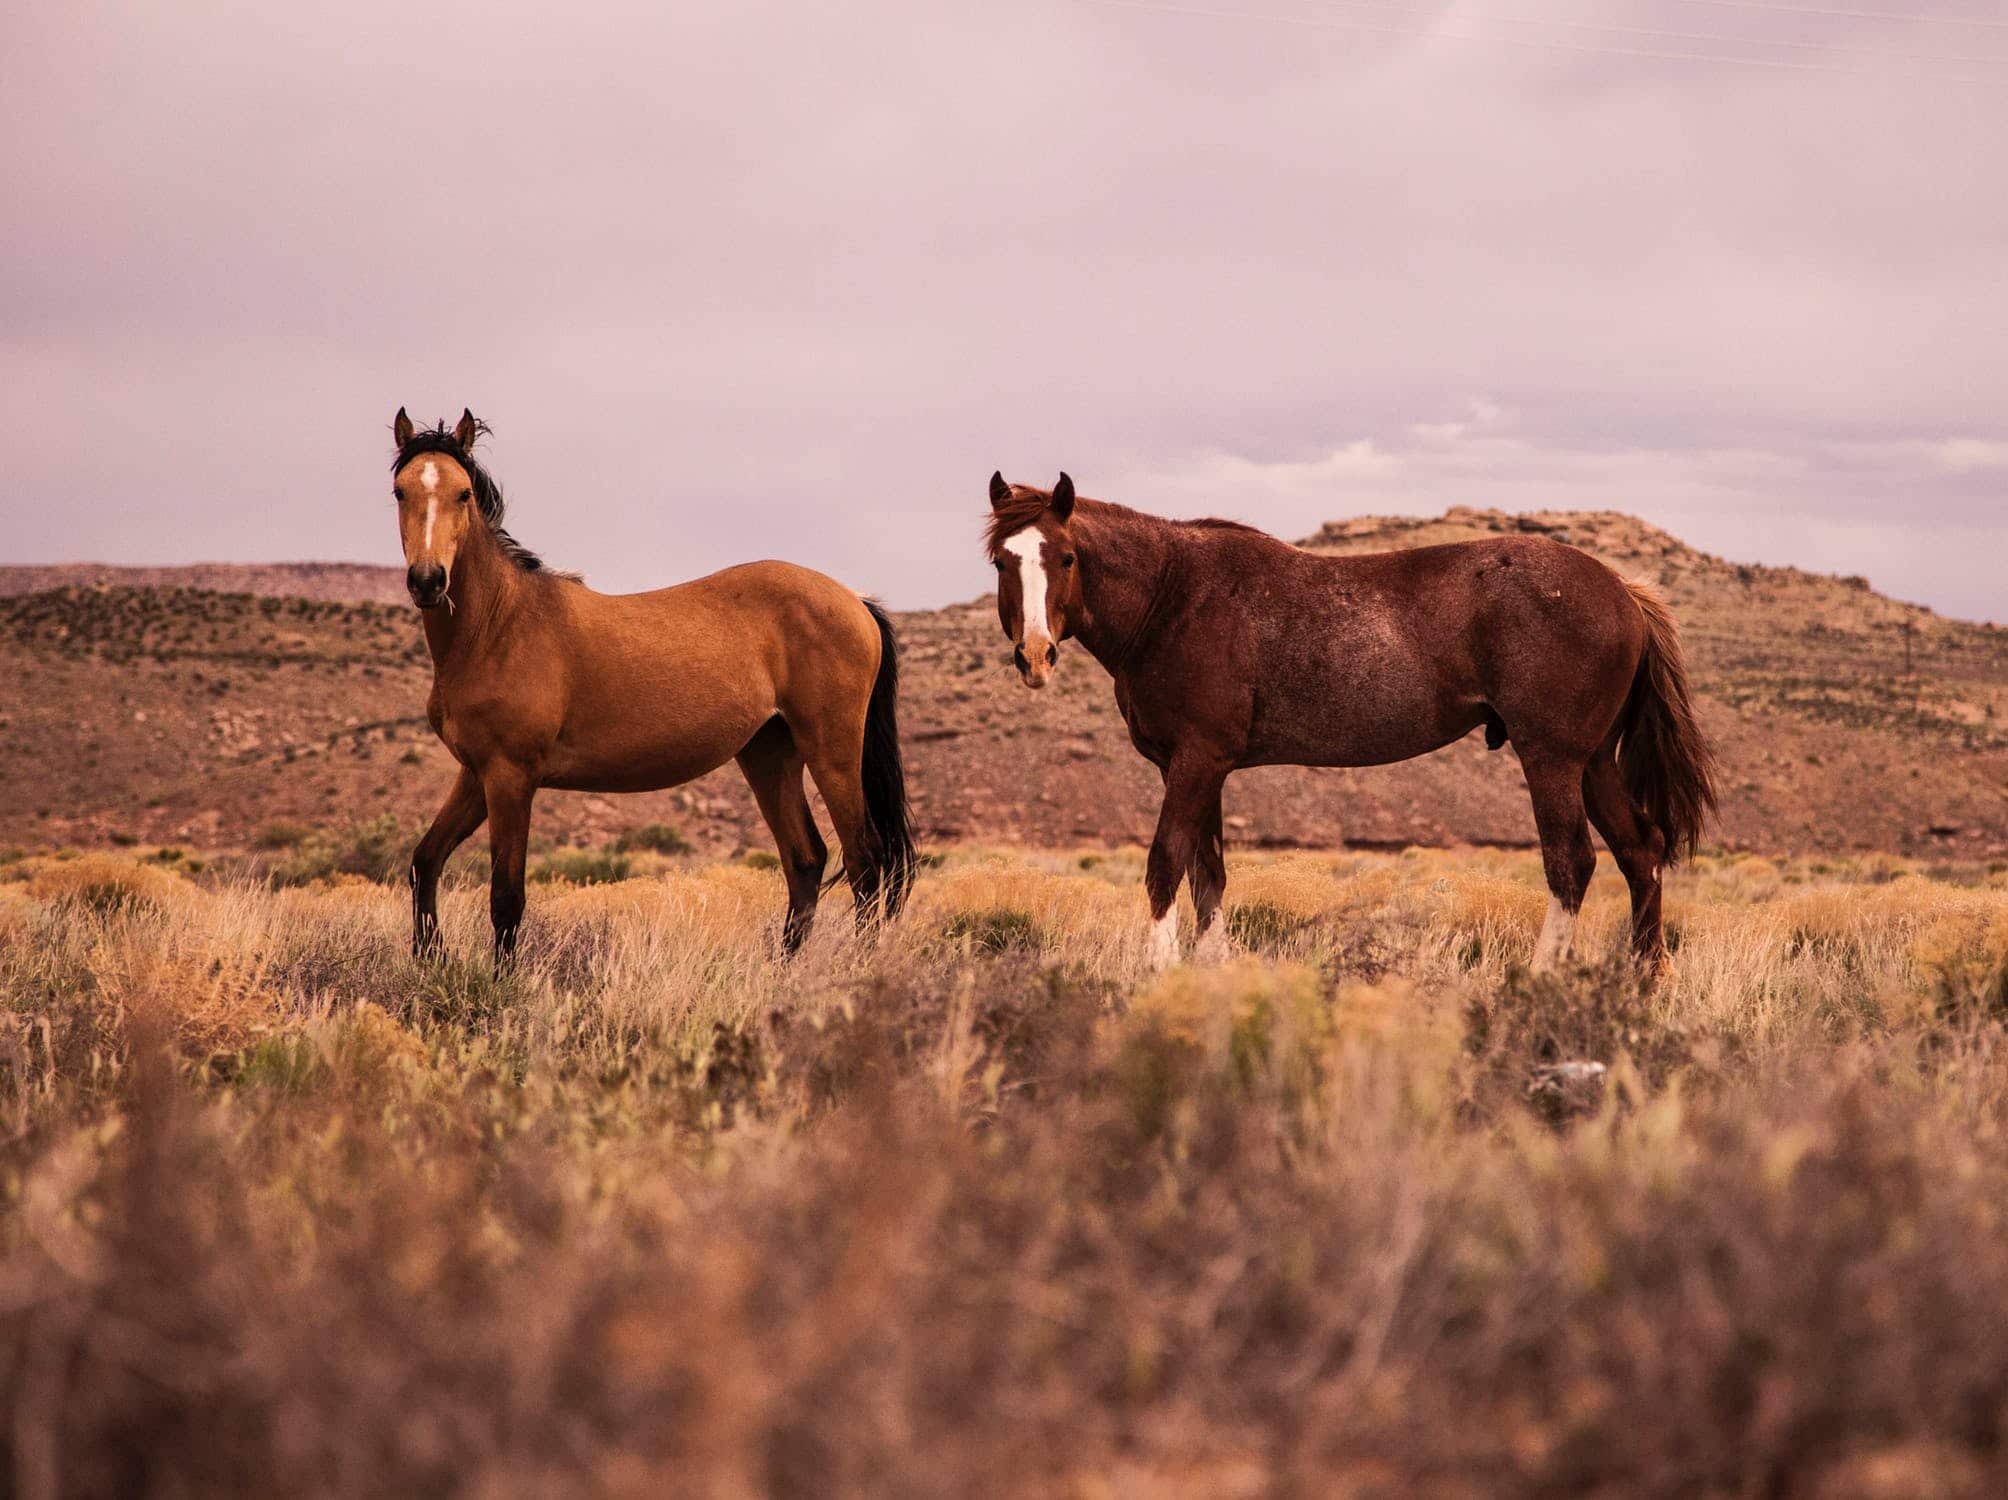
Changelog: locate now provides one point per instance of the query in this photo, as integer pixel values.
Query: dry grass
(985, 1208)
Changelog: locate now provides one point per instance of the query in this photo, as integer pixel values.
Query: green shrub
(281, 834)
(582, 867)
(375, 849)
(1263, 926)
(1001, 929)
(656, 838)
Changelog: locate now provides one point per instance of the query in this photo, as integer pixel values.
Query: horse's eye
(997, 563)
(398, 495)
(465, 496)
(1067, 561)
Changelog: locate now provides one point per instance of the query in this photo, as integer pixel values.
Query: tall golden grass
(986, 1208)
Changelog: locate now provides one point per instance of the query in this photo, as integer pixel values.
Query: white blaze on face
(1164, 939)
(1025, 546)
(429, 477)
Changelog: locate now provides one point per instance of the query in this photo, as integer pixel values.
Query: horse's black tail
(884, 774)
(1667, 762)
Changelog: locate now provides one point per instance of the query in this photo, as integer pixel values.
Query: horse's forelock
(1024, 507)
(487, 493)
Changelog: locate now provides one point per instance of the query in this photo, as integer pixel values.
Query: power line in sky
(1328, 22)
(1712, 38)
(1922, 18)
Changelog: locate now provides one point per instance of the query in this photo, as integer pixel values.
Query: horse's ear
(999, 490)
(401, 429)
(466, 430)
(1063, 497)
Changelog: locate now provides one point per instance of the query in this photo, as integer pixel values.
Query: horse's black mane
(487, 493)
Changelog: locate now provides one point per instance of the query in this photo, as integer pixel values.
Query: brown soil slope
(347, 582)
(1844, 719)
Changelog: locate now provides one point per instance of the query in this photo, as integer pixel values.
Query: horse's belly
(638, 751)
(1325, 734)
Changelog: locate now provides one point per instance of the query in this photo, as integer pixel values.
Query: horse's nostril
(1020, 659)
(1052, 656)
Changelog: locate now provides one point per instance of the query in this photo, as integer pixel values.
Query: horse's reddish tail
(885, 774)
(1667, 763)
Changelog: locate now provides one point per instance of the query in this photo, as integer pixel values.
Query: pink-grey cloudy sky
(767, 279)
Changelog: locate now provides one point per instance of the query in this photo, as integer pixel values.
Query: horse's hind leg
(1191, 788)
(463, 812)
(1637, 846)
(773, 769)
(839, 777)
(1568, 858)
(1208, 876)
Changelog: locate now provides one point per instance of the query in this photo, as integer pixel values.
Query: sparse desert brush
(999, 929)
(282, 833)
(1243, 1014)
(656, 838)
(293, 1212)
(109, 885)
(374, 848)
(581, 867)
(1077, 917)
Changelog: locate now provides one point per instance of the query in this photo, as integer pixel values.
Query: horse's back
(1525, 584)
(1542, 631)
(1365, 658)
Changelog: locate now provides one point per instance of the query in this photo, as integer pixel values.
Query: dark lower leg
(1568, 858)
(844, 795)
(804, 864)
(774, 772)
(460, 815)
(509, 794)
(1640, 852)
(1190, 789)
(1209, 882)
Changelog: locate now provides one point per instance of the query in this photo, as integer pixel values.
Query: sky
(753, 279)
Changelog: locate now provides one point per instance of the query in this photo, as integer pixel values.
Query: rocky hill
(163, 711)
(347, 582)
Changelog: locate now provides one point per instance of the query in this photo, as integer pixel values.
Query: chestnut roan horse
(539, 681)
(1230, 649)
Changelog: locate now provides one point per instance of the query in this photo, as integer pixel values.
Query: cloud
(773, 278)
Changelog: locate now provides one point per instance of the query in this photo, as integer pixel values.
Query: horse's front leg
(1191, 786)
(458, 817)
(508, 790)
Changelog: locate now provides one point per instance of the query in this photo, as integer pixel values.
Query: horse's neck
(484, 591)
(1129, 560)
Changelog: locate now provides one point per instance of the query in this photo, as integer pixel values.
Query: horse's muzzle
(1036, 668)
(426, 585)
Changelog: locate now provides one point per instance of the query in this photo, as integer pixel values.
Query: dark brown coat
(1229, 648)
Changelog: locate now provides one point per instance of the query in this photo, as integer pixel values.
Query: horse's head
(1038, 582)
(435, 501)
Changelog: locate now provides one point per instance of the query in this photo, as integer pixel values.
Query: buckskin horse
(1230, 648)
(539, 681)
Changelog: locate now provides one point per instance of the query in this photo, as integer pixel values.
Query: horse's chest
(1153, 730)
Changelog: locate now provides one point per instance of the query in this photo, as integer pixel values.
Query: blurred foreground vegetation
(984, 1208)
